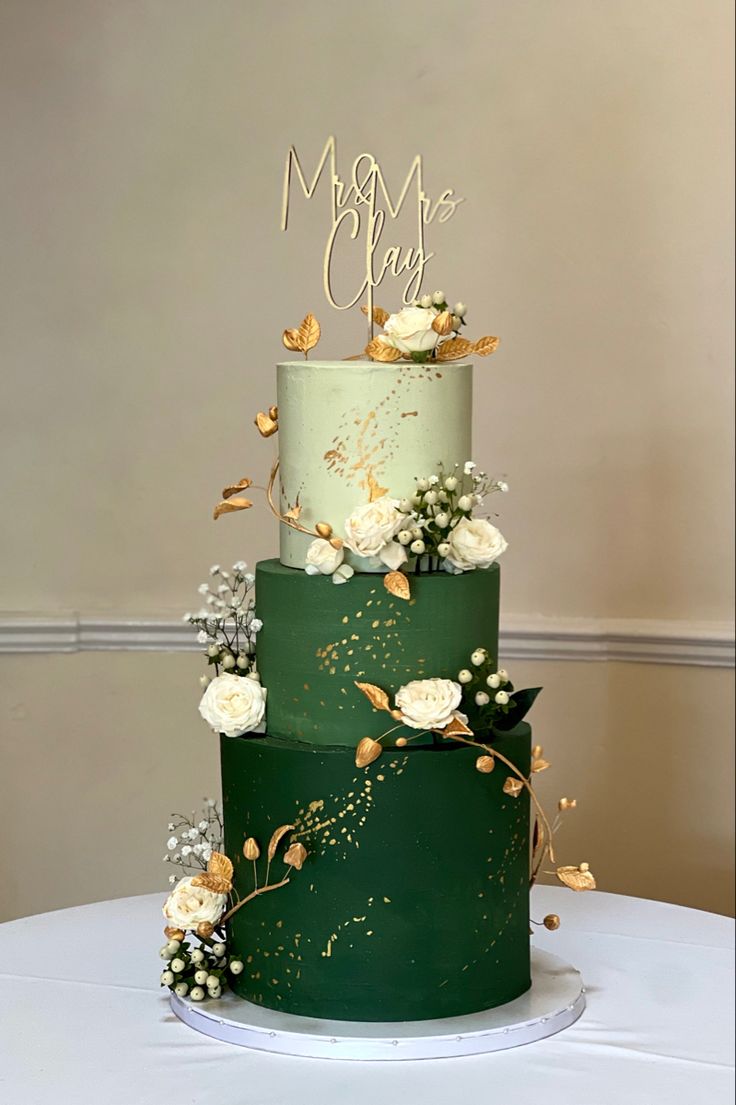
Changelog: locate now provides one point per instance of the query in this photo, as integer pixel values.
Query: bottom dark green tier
(413, 901)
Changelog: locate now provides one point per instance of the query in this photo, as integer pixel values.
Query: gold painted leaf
(513, 787)
(442, 323)
(539, 765)
(219, 864)
(266, 425)
(577, 878)
(380, 317)
(324, 529)
(293, 512)
(310, 332)
(377, 698)
(274, 841)
(273, 412)
(213, 883)
(485, 764)
(229, 506)
(292, 340)
(396, 583)
(454, 348)
(456, 727)
(295, 856)
(236, 488)
(375, 491)
(367, 751)
(380, 351)
(485, 346)
(567, 804)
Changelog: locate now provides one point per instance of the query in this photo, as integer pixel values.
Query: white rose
(429, 703)
(369, 531)
(411, 330)
(323, 558)
(188, 905)
(474, 543)
(233, 705)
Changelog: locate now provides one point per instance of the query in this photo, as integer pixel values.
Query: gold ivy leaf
(567, 804)
(442, 323)
(310, 332)
(380, 317)
(229, 506)
(396, 583)
(293, 512)
(266, 425)
(456, 727)
(485, 764)
(292, 341)
(367, 751)
(251, 849)
(377, 698)
(295, 856)
(218, 876)
(539, 765)
(236, 488)
(454, 348)
(380, 351)
(274, 841)
(577, 878)
(485, 346)
(513, 787)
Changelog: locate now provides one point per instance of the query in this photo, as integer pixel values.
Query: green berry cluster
(197, 972)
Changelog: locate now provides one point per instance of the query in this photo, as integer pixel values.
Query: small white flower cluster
(485, 688)
(440, 523)
(226, 622)
(413, 330)
(194, 839)
(197, 972)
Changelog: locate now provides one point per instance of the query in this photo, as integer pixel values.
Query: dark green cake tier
(413, 902)
(318, 637)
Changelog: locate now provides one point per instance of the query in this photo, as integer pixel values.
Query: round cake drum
(555, 1001)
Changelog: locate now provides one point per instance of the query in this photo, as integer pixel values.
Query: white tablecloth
(83, 1022)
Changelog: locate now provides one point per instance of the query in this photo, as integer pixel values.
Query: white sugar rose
(188, 906)
(429, 703)
(323, 558)
(369, 531)
(474, 543)
(411, 330)
(233, 704)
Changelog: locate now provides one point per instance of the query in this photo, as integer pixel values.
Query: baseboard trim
(523, 637)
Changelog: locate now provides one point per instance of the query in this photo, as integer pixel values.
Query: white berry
(438, 297)
(236, 966)
(181, 988)
(218, 949)
(167, 978)
(425, 301)
(479, 657)
(177, 966)
(501, 698)
(443, 549)
(442, 520)
(196, 993)
(503, 675)
(465, 676)
(418, 547)
(197, 955)
(431, 498)
(460, 310)
(482, 699)
(465, 502)
(200, 977)
(404, 536)
(451, 483)
(493, 681)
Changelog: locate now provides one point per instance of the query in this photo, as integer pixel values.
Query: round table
(83, 1021)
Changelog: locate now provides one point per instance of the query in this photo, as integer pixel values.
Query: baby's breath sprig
(226, 622)
(193, 839)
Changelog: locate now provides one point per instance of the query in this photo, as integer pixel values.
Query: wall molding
(701, 644)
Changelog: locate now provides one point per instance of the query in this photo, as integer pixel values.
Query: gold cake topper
(362, 208)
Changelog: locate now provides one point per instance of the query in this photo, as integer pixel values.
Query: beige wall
(143, 289)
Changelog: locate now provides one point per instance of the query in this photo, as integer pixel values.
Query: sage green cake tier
(318, 637)
(413, 900)
(347, 427)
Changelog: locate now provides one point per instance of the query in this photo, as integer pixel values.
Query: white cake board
(555, 1001)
